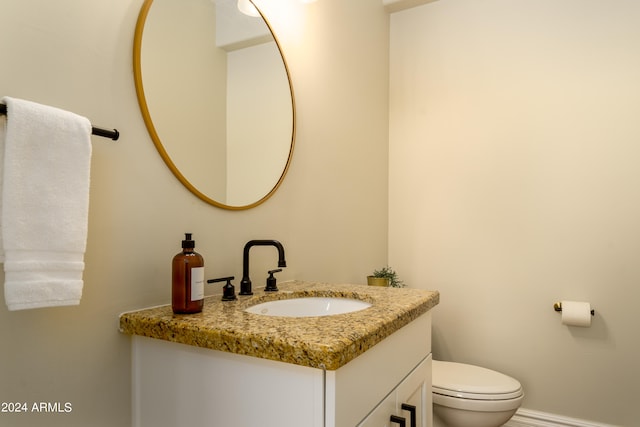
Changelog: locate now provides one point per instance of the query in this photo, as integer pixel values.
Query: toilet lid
(473, 382)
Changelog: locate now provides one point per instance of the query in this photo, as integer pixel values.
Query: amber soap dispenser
(187, 292)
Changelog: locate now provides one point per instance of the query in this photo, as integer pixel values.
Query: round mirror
(216, 97)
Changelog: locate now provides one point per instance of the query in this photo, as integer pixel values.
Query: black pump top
(187, 243)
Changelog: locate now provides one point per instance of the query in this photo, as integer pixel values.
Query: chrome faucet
(245, 283)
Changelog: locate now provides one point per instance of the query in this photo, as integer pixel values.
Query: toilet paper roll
(575, 313)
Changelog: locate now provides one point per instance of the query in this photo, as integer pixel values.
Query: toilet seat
(462, 381)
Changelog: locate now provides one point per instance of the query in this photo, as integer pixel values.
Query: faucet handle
(228, 290)
(271, 281)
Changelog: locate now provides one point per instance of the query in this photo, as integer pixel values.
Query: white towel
(45, 204)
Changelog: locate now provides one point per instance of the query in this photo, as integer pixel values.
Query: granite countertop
(327, 342)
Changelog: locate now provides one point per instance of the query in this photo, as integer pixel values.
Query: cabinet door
(415, 391)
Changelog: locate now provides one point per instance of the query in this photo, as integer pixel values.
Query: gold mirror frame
(137, 73)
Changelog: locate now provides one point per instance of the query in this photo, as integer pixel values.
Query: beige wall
(330, 212)
(514, 183)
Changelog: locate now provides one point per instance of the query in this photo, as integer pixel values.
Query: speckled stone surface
(327, 342)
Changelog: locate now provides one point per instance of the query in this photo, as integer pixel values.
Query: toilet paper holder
(558, 307)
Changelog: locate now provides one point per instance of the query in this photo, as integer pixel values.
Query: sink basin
(308, 307)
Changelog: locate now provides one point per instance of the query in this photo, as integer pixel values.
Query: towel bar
(106, 133)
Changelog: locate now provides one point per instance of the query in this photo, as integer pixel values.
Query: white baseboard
(529, 418)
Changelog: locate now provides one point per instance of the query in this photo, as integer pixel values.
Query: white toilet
(471, 396)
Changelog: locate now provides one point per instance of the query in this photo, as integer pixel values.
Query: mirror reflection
(216, 97)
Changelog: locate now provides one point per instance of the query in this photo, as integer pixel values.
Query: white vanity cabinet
(177, 385)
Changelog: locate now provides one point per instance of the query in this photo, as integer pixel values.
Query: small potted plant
(386, 276)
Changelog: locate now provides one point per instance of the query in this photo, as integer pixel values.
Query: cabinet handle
(399, 420)
(412, 412)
